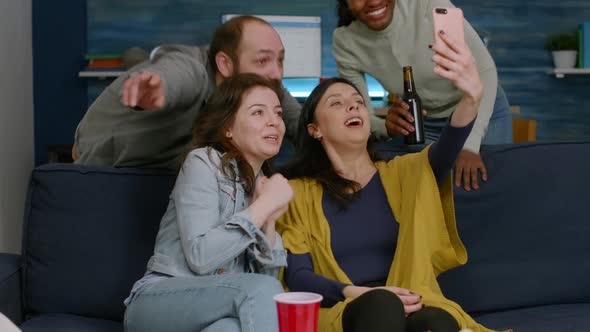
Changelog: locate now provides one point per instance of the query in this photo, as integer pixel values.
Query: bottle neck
(409, 86)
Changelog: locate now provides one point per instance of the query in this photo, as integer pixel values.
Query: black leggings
(381, 310)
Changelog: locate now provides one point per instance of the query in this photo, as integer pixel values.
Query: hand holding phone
(449, 20)
(452, 57)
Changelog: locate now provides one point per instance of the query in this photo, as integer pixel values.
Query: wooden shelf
(100, 74)
(561, 72)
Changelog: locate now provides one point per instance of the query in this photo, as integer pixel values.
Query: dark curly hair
(344, 14)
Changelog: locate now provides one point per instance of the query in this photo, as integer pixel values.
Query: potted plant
(564, 48)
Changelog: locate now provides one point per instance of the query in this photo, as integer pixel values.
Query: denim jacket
(207, 228)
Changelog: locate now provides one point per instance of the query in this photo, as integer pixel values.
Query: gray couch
(88, 233)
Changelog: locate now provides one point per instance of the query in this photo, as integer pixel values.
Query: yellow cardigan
(428, 242)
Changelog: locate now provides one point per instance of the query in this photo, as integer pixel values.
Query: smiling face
(261, 51)
(341, 117)
(257, 130)
(375, 14)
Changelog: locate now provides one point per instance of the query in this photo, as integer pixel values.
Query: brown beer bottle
(411, 98)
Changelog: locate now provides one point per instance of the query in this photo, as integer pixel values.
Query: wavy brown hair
(227, 38)
(218, 116)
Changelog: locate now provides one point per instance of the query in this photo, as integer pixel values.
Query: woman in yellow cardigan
(372, 236)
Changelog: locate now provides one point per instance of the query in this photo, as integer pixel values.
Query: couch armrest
(10, 287)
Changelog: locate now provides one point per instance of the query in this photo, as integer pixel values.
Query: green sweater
(382, 54)
(111, 134)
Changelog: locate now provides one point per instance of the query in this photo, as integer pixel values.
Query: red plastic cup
(298, 311)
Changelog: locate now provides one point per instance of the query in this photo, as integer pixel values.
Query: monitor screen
(302, 39)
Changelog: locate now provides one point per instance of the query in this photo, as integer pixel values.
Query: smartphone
(450, 20)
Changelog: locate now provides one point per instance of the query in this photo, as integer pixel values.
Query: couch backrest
(88, 234)
(526, 230)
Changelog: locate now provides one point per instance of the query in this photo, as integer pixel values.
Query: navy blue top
(364, 250)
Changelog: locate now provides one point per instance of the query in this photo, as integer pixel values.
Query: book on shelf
(105, 63)
(92, 56)
(103, 60)
(101, 69)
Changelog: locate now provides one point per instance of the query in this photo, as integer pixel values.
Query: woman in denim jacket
(217, 254)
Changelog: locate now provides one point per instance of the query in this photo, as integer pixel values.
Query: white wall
(16, 118)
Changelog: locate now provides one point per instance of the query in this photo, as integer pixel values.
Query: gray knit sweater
(111, 134)
(382, 54)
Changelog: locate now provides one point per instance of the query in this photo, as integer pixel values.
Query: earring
(228, 134)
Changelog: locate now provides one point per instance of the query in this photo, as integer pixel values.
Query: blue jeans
(499, 127)
(230, 302)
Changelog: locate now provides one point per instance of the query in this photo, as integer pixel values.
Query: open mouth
(354, 122)
(271, 138)
(377, 13)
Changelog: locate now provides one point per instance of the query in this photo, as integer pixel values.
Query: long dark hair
(345, 16)
(219, 114)
(311, 160)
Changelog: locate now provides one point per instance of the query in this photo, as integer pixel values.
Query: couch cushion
(10, 287)
(65, 323)
(551, 318)
(88, 235)
(526, 229)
